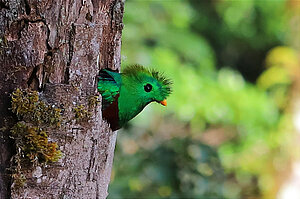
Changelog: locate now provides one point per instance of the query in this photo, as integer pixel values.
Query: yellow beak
(164, 102)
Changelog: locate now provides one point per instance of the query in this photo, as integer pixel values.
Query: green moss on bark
(31, 140)
(33, 143)
(82, 114)
(27, 106)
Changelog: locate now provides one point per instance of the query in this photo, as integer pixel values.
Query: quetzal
(124, 95)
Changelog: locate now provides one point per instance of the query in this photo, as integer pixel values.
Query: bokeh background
(232, 125)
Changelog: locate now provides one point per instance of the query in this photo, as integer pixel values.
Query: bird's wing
(109, 84)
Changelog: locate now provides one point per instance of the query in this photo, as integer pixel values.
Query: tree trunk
(58, 48)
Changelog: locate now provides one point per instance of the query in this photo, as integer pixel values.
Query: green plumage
(124, 95)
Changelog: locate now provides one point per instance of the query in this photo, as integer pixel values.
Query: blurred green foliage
(221, 136)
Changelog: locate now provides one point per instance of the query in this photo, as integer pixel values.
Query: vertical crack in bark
(48, 35)
(92, 160)
(71, 52)
(71, 43)
(111, 11)
(47, 59)
(97, 190)
(33, 80)
(27, 7)
(67, 75)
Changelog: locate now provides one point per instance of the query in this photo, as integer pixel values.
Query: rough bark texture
(58, 47)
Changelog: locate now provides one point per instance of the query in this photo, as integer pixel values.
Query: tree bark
(58, 48)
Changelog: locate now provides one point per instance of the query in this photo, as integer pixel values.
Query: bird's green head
(147, 85)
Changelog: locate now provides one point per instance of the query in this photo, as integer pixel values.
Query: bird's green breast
(129, 102)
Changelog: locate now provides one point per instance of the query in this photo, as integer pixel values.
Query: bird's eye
(148, 87)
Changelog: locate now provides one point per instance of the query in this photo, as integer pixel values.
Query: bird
(126, 94)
